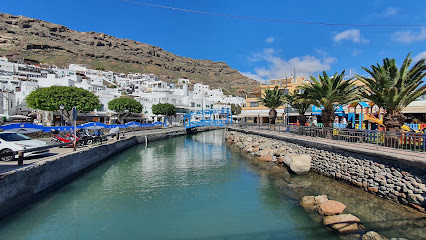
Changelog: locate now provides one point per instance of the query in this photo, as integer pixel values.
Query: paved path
(56, 152)
(407, 156)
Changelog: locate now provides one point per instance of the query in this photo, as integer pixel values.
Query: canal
(188, 187)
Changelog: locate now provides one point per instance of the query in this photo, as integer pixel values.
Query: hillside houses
(17, 80)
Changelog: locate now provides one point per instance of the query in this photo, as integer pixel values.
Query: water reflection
(189, 187)
(384, 216)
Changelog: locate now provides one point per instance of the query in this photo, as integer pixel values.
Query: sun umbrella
(93, 125)
(133, 124)
(22, 127)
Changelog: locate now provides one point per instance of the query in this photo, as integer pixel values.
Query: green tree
(329, 92)
(235, 109)
(296, 102)
(165, 109)
(272, 99)
(50, 98)
(124, 106)
(393, 89)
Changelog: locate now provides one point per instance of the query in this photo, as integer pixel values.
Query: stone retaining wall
(25, 185)
(383, 177)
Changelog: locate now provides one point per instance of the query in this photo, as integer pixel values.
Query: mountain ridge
(54, 44)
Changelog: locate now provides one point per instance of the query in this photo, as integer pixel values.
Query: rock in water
(321, 199)
(288, 158)
(301, 164)
(371, 235)
(331, 207)
(308, 202)
(265, 158)
(312, 202)
(343, 223)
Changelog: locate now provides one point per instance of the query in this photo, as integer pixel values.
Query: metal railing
(399, 140)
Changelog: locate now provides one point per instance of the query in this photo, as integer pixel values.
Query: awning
(263, 114)
(415, 107)
(339, 110)
(19, 117)
(253, 114)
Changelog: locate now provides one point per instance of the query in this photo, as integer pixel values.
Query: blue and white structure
(219, 118)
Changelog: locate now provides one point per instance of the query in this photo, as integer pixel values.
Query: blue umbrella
(133, 124)
(93, 125)
(22, 127)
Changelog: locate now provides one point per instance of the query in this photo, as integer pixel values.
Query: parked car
(11, 142)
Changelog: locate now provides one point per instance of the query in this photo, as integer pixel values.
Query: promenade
(410, 158)
(56, 152)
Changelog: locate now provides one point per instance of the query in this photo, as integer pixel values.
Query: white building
(7, 103)
(18, 80)
(52, 80)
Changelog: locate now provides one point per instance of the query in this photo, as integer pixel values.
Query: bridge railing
(213, 117)
(399, 140)
(203, 123)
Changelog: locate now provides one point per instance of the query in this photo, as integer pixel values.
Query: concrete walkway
(411, 158)
(56, 152)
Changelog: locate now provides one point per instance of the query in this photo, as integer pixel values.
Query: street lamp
(62, 112)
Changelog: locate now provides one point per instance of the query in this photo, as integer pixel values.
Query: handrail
(401, 140)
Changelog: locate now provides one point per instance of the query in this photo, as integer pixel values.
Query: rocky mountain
(53, 44)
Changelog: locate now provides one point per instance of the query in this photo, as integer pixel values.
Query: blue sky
(259, 49)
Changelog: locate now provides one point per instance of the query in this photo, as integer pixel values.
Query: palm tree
(329, 92)
(272, 99)
(296, 102)
(393, 89)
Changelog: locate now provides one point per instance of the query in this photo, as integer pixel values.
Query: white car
(11, 141)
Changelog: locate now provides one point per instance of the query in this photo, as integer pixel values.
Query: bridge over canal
(204, 118)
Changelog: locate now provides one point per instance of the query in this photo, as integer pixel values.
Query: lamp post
(62, 112)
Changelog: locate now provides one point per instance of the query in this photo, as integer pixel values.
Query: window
(101, 108)
(198, 105)
(254, 104)
(11, 137)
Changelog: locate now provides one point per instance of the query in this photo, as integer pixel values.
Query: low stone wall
(24, 185)
(386, 178)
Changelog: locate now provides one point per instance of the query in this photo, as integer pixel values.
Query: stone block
(301, 164)
(331, 207)
(343, 223)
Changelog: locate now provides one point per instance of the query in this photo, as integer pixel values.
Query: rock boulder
(300, 164)
(343, 223)
(331, 207)
(371, 235)
(311, 202)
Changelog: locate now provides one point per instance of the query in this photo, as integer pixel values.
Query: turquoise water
(190, 187)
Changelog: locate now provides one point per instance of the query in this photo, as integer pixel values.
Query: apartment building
(253, 111)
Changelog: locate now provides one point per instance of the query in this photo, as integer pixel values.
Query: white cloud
(278, 68)
(270, 40)
(390, 11)
(419, 56)
(356, 52)
(353, 35)
(252, 76)
(409, 36)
